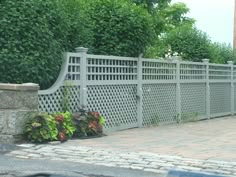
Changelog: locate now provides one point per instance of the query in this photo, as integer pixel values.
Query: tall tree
(153, 4)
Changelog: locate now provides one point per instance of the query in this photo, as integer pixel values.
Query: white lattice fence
(220, 89)
(65, 97)
(115, 102)
(159, 104)
(193, 91)
(220, 98)
(65, 93)
(132, 92)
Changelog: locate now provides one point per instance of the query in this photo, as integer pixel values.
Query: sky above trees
(214, 17)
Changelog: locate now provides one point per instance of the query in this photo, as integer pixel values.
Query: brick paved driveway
(210, 139)
(207, 146)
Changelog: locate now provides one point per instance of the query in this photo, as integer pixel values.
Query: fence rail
(136, 92)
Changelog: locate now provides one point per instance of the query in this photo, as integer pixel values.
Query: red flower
(96, 114)
(61, 136)
(59, 118)
(93, 124)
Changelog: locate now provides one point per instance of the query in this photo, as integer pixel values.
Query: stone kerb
(17, 102)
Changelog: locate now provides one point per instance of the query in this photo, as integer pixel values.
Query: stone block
(26, 100)
(17, 121)
(7, 139)
(12, 122)
(7, 99)
(18, 103)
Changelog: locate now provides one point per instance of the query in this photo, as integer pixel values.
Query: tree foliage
(119, 27)
(79, 27)
(34, 33)
(221, 53)
(190, 43)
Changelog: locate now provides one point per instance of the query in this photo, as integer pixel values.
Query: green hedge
(31, 41)
(119, 27)
(35, 33)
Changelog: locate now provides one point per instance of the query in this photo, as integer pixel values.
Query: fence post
(83, 75)
(208, 108)
(232, 85)
(140, 92)
(178, 91)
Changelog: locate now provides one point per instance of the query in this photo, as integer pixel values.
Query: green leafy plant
(89, 123)
(46, 127)
(41, 128)
(64, 125)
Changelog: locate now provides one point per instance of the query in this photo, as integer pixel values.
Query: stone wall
(17, 103)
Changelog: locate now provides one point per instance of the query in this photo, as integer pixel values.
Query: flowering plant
(46, 127)
(41, 128)
(89, 123)
(64, 125)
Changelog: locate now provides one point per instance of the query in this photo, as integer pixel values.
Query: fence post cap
(81, 50)
(230, 62)
(205, 60)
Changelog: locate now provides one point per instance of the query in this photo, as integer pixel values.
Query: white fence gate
(136, 92)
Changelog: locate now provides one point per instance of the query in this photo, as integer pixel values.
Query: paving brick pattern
(206, 146)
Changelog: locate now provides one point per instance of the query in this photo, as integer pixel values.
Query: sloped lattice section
(219, 98)
(117, 103)
(193, 101)
(68, 96)
(159, 104)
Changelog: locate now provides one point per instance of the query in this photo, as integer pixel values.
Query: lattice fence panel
(193, 101)
(234, 97)
(234, 73)
(219, 72)
(192, 71)
(219, 98)
(65, 96)
(158, 70)
(111, 68)
(117, 103)
(159, 104)
(73, 70)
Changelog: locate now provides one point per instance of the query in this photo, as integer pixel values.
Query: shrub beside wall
(31, 37)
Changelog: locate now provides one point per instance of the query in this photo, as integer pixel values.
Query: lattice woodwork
(109, 84)
(159, 104)
(117, 103)
(156, 70)
(65, 95)
(219, 72)
(219, 98)
(193, 101)
(234, 73)
(196, 71)
(101, 69)
(73, 71)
